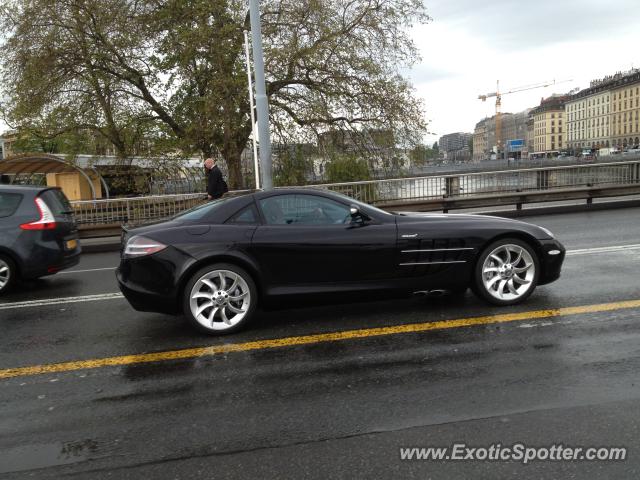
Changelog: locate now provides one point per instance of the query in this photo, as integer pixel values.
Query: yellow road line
(311, 339)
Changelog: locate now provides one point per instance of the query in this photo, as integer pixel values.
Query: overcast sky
(470, 44)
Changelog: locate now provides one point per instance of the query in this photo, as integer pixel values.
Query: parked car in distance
(38, 233)
(605, 151)
(215, 263)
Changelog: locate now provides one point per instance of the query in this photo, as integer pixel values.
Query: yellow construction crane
(498, 94)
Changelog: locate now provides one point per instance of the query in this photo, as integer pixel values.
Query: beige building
(530, 137)
(549, 134)
(588, 118)
(625, 111)
(7, 140)
(480, 149)
(605, 114)
(513, 127)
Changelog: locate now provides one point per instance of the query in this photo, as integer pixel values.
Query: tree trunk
(233, 159)
(232, 154)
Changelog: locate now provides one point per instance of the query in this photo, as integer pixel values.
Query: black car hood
(455, 216)
(474, 220)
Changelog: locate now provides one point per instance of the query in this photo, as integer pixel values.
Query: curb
(100, 245)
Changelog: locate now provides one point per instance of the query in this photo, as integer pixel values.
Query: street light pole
(254, 140)
(262, 105)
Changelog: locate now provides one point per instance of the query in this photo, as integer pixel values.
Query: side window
(304, 210)
(9, 203)
(246, 216)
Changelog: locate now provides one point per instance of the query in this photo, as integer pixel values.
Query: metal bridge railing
(464, 185)
(133, 210)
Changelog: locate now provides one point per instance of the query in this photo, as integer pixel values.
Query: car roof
(293, 191)
(23, 188)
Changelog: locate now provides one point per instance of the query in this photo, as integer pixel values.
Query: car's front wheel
(507, 272)
(7, 273)
(220, 299)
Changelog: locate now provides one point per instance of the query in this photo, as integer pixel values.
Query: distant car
(217, 262)
(38, 233)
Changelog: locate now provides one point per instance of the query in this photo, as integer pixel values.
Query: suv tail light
(46, 222)
(139, 246)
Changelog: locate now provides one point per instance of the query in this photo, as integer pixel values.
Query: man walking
(216, 186)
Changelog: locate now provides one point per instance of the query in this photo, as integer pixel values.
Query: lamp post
(254, 140)
(262, 104)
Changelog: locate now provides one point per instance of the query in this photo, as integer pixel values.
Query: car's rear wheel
(507, 272)
(7, 273)
(220, 299)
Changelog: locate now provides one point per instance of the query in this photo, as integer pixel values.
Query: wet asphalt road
(336, 409)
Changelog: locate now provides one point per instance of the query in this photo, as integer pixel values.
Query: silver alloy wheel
(5, 274)
(508, 272)
(220, 299)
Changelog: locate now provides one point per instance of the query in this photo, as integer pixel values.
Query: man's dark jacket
(215, 184)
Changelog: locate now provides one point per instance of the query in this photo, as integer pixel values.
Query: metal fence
(525, 163)
(133, 210)
(464, 185)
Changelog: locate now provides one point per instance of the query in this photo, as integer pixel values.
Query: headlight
(139, 246)
(547, 231)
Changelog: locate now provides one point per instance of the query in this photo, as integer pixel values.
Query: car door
(430, 245)
(309, 239)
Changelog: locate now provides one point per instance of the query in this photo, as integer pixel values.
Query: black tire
(9, 275)
(220, 328)
(478, 285)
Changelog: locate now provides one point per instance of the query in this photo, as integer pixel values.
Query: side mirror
(357, 217)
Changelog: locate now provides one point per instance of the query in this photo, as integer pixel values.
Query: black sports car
(217, 262)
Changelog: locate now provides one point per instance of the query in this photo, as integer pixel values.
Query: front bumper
(551, 259)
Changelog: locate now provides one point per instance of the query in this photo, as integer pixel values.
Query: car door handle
(410, 235)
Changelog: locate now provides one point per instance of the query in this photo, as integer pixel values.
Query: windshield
(361, 204)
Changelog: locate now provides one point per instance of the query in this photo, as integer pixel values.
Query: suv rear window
(57, 202)
(9, 203)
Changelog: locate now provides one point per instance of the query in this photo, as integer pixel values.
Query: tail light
(139, 246)
(46, 222)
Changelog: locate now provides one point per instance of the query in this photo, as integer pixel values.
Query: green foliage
(347, 168)
(421, 155)
(350, 168)
(291, 167)
(69, 143)
(167, 75)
